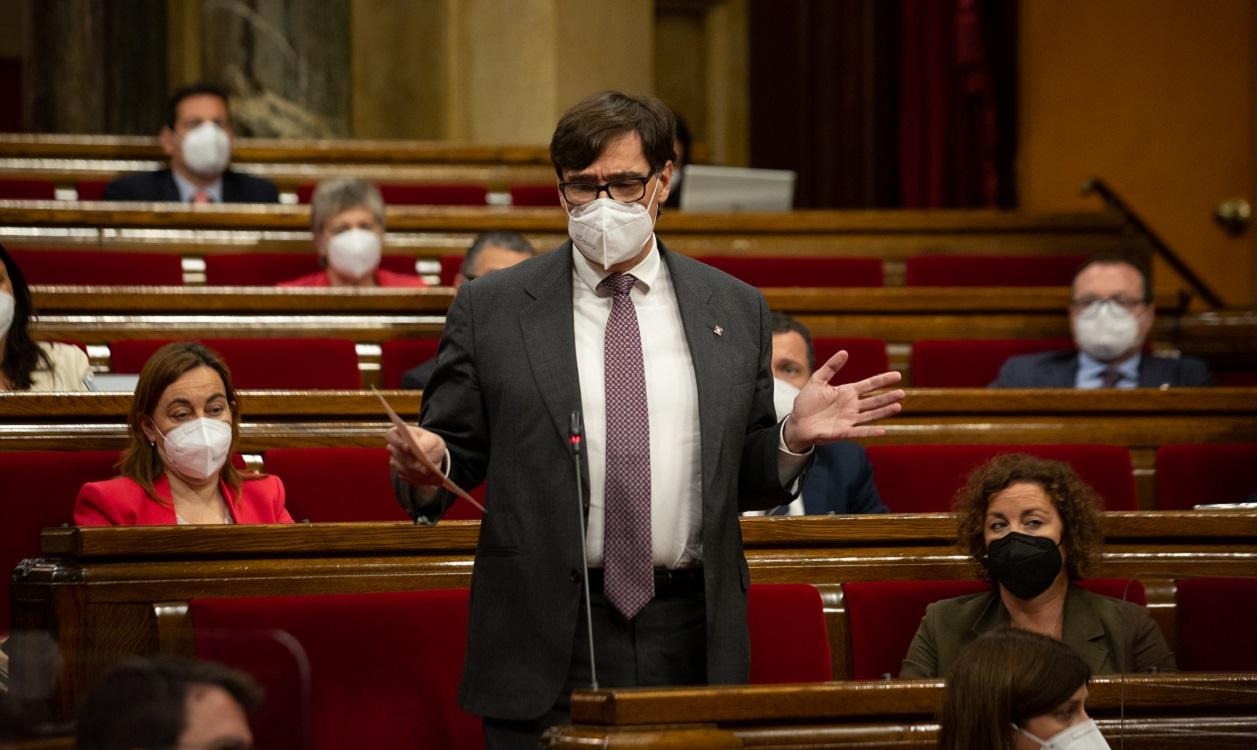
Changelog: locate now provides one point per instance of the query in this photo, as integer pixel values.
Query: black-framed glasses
(1129, 303)
(624, 190)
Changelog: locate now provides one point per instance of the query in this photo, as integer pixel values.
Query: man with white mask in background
(198, 138)
(665, 363)
(347, 219)
(1111, 312)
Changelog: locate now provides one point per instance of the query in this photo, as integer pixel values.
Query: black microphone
(576, 439)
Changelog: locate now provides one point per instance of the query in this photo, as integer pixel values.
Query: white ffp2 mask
(1083, 736)
(206, 149)
(609, 232)
(8, 308)
(354, 252)
(197, 449)
(1106, 330)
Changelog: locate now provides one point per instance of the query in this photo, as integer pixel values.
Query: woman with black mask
(1033, 527)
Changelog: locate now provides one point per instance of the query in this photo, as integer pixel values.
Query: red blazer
(121, 502)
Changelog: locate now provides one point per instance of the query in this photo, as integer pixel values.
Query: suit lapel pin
(718, 330)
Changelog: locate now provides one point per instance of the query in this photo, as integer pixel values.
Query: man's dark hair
(783, 323)
(193, 89)
(1113, 257)
(586, 129)
(509, 240)
(142, 701)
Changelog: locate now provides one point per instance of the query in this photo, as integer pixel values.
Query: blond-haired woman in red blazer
(184, 424)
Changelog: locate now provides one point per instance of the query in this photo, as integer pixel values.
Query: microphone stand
(576, 440)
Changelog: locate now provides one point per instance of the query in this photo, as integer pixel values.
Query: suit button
(574, 576)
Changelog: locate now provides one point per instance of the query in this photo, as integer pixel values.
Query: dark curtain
(885, 104)
(819, 105)
(957, 103)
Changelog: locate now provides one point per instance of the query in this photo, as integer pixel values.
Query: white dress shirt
(676, 502)
(188, 191)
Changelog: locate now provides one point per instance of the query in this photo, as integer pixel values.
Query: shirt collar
(646, 271)
(1090, 367)
(187, 190)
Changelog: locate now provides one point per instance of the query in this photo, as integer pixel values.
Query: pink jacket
(122, 502)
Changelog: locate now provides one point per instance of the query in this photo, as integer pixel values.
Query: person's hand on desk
(824, 413)
(411, 468)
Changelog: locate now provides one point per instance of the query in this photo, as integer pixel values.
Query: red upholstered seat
(991, 270)
(963, 363)
(37, 491)
(92, 190)
(378, 670)
(799, 271)
(1205, 473)
(1215, 624)
(14, 189)
(335, 484)
(883, 616)
(295, 364)
(924, 478)
(865, 357)
(398, 356)
(269, 269)
(406, 194)
(534, 195)
(100, 267)
(450, 266)
(789, 638)
(326, 485)
(1236, 378)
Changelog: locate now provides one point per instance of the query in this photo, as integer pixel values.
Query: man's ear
(167, 137)
(665, 183)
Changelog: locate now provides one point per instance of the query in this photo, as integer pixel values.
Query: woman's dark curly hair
(1077, 504)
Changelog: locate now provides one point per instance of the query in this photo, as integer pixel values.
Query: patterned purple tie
(1111, 377)
(628, 573)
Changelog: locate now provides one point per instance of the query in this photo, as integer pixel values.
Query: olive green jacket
(1110, 635)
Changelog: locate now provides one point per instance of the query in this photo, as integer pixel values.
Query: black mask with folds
(1025, 565)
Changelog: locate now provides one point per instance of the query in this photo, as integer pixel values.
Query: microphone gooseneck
(576, 438)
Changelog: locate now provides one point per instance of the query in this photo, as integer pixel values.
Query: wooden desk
(105, 592)
(275, 150)
(1161, 711)
(893, 235)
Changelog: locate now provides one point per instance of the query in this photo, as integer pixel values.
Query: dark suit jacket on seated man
(690, 439)
(198, 139)
(1111, 313)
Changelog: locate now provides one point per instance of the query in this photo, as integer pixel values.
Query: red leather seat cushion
(789, 638)
(991, 270)
(924, 478)
(398, 356)
(534, 195)
(799, 271)
(378, 670)
(325, 485)
(296, 364)
(865, 357)
(14, 189)
(1205, 473)
(99, 267)
(1215, 624)
(39, 488)
(964, 363)
(407, 194)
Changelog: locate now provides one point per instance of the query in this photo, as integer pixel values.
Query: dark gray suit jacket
(1059, 370)
(160, 186)
(501, 397)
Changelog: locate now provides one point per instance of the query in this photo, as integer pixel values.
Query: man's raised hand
(824, 413)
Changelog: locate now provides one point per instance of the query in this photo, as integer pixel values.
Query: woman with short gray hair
(347, 219)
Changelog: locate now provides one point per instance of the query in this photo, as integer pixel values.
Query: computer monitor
(736, 189)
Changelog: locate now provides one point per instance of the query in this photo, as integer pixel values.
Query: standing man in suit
(840, 480)
(1111, 312)
(198, 138)
(668, 362)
